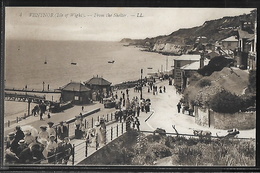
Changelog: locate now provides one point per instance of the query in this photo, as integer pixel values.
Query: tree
(225, 102)
(215, 64)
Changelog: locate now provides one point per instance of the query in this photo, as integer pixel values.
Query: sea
(25, 65)
(25, 62)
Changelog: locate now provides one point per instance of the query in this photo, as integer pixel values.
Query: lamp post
(141, 94)
(43, 85)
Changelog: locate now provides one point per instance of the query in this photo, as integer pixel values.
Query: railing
(88, 148)
(84, 149)
(196, 136)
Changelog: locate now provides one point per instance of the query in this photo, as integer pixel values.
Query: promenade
(163, 110)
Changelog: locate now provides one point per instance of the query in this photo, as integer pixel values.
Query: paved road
(62, 116)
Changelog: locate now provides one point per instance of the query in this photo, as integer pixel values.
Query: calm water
(25, 62)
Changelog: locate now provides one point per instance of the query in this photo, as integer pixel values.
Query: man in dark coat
(179, 107)
(31, 154)
(62, 131)
(11, 149)
(19, 134)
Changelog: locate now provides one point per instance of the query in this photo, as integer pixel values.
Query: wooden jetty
(33, 90)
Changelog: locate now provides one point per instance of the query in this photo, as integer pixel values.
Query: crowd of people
(48, 146)
(95, 136)
(42, 109)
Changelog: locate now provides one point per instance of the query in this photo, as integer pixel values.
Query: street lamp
(43, 85)
(141, 94)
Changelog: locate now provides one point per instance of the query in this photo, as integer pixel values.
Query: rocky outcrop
(167, 48)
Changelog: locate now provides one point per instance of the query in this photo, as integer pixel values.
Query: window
(76, 97)
(178, 63)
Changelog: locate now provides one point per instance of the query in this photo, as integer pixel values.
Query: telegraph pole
(141, 95)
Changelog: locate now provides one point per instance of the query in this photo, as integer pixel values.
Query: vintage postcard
(94, 86)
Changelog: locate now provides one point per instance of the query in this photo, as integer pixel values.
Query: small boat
(73, 63)
(149, 67)
(111, 61)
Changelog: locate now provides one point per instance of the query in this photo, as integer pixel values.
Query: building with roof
(180, 62)
(189, 69)
(76, 92)
(246, 55)
(230, 43)
(99, 86)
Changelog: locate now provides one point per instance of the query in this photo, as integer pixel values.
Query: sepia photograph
(130, 86)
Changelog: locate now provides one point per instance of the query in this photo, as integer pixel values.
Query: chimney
(201, 60)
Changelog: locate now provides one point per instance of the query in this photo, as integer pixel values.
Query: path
(165, 114)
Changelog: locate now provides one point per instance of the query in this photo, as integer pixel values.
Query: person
(60, 151)
(127, 104)
(97, 133)
(160, 89)
(43, 133)
(43, 143)
(11, 149)
(41, 114)
(138, 110)
(67, 150)
(137, 123)
(62, 131)
(82, 108)
(19, 134)
(51, 149)
(120, 115)
(127, 90)
(142, 105)
(78, 132)
(183, 108)
(102, 131)
(51, 130)
(31, 154)
(179, 107)
(164, 89)
(133, 121)
(22, 146)
(147, 106)
(29, 138)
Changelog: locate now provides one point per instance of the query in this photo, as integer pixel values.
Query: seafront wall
(239, 120)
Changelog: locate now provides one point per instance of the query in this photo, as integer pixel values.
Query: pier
(33, 90)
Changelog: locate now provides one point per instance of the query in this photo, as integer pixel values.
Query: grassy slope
(235, 82)
(174, 151)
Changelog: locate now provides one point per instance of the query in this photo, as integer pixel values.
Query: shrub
(189, 155)
(195, 77)
(225, 102)
(204, 82)
(247, 100)
(215, 64)
(252, 81)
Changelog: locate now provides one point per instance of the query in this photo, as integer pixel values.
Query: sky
(105, 24)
